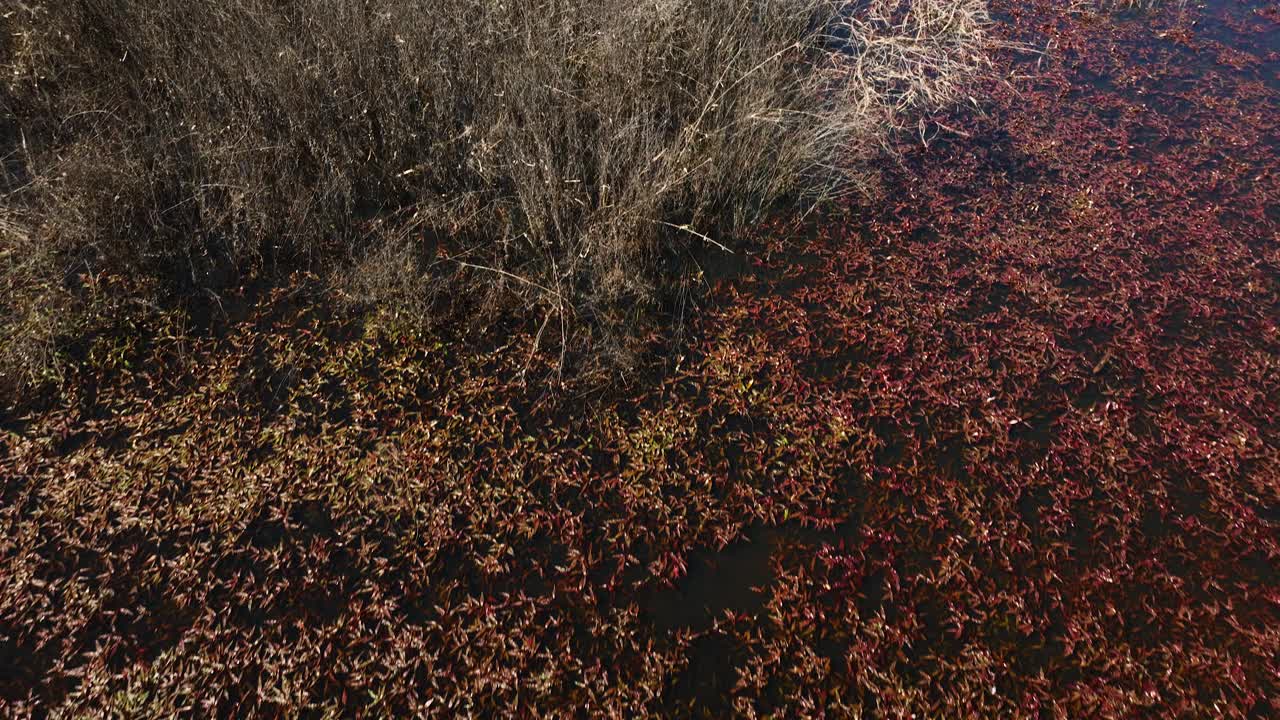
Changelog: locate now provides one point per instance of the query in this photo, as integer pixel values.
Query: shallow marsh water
(1004, 445)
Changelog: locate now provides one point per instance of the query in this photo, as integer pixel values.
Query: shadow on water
(731, 580)
(736, 578)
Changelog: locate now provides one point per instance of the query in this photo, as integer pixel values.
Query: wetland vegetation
(767, 359)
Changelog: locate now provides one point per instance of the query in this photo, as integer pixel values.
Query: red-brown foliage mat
(1005, 446)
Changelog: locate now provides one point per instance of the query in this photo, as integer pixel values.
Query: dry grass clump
(30, 326)
(567, 154)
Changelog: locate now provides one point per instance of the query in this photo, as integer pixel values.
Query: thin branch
(691, 231)
(517, 278)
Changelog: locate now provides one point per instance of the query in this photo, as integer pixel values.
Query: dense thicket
(564, 153)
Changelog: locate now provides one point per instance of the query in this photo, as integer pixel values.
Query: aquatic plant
(1002, 446)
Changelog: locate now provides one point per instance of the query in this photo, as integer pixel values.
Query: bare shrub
(559, 153)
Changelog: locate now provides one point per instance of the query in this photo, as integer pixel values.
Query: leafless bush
(563, 153)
